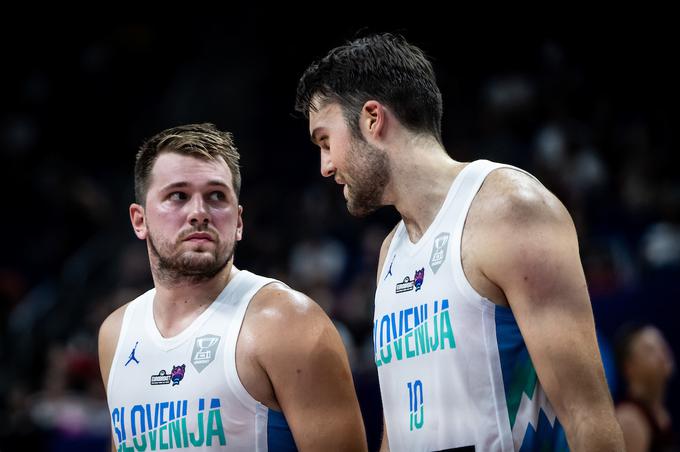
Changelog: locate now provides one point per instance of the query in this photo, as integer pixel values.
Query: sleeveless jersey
(454, 370)
(183, 392)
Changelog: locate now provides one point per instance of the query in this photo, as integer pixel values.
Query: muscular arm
(304, 358)
(530, 252)
(108, 340)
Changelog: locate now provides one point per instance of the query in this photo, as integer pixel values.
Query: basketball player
(483, 330)
(213, 357)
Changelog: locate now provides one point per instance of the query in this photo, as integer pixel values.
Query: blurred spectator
(646, 364)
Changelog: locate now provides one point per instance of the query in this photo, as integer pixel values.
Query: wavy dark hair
(382, 67)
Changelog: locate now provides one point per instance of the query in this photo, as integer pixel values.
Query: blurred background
(589, 112)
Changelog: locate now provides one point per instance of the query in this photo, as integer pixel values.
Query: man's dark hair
(382, 67)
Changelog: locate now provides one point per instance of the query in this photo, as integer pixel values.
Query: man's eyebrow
(313, 136)
(219, 183)
(175, 185)
(184, 184)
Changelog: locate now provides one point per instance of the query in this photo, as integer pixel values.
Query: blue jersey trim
(519, 376)
(279, 436)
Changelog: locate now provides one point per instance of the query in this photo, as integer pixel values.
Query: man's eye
(177, 196)
(217, 196)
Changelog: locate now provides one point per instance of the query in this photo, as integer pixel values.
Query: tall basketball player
(483, 331)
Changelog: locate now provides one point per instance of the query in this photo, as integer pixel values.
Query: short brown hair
(198, 140)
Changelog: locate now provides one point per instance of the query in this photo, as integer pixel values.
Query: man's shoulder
(276, 302)
(109, 333)
(112, 324)
(282, 320)
(515, 197)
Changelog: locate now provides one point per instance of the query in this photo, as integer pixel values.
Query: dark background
(589, 109)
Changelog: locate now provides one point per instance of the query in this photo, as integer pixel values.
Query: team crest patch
(205, 349)
(418, 278)
(177, 374)
(439, 248)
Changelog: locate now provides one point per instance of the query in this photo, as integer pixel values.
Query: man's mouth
(199, 237)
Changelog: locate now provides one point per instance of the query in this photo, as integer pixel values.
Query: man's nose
(199, 212)
(327, 167)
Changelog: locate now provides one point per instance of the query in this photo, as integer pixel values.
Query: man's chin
(359, 211)
(206, 269)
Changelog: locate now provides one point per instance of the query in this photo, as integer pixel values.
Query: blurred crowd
(597, 136)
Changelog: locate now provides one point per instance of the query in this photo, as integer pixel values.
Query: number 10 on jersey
(415, 395)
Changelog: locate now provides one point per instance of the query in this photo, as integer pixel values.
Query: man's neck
(178, 303)
(421, 180)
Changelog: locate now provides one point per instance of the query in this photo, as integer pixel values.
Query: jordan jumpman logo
(132, 355)
(389, 271)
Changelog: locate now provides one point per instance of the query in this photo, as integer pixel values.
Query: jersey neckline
(168, 343)
(412, 248)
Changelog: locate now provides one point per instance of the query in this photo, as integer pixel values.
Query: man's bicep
(542, 278)
(314, 387)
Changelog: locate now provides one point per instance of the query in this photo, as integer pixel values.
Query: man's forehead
(322, 116)
(172, 166)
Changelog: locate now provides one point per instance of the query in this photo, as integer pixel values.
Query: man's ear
(372, 119)
(138, 220)
(239, 224)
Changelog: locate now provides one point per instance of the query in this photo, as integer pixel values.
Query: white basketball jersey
(183, 392)
(454, 370)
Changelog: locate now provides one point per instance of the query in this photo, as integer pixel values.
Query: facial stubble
(367, 174)
(178, 267)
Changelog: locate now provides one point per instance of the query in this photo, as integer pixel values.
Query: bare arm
(108, 340)
(306, 362)
(531, 254)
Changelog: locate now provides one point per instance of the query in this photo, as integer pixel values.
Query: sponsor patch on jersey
(204, 352)
(163, 378)
(439, 248)
(404, 286)
(409, 284)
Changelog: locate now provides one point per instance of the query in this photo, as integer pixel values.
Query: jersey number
(415, 395)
